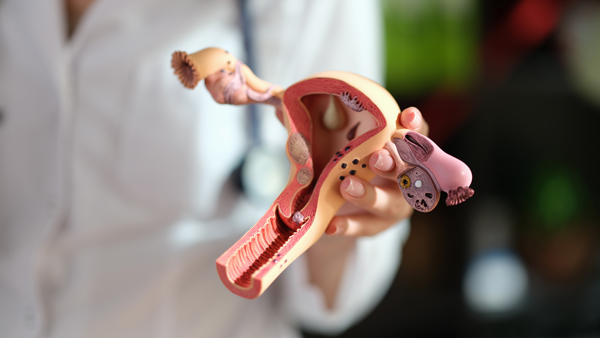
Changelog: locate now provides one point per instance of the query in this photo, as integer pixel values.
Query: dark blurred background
(513, 89)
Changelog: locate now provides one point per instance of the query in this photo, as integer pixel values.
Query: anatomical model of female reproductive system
(335, 120)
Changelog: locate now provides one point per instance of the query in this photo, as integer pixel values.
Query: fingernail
(333, 230)
(338, 228)
(384, 162)
(416, 121)
(354, 188)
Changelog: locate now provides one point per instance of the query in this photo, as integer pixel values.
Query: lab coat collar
(42, 45)
(100, 12)
(49, 42)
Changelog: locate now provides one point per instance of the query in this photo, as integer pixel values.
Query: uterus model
(335, 121)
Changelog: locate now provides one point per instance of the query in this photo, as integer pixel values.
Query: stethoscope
(263, 172)
(247, 35)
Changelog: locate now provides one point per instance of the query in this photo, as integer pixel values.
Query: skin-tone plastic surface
(335, 121)
(218, 68)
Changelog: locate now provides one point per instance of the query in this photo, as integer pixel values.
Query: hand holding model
(343, 130)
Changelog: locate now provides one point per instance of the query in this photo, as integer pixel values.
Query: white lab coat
(114, 193)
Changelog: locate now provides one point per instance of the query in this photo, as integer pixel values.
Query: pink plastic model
(335, 120)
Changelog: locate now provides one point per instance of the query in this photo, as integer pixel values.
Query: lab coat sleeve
(369, 272)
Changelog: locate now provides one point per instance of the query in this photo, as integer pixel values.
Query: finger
(358, 225)
(382, 164)
(411, 118)
(384, 200)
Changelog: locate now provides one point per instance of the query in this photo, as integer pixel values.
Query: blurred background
(513, 89)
